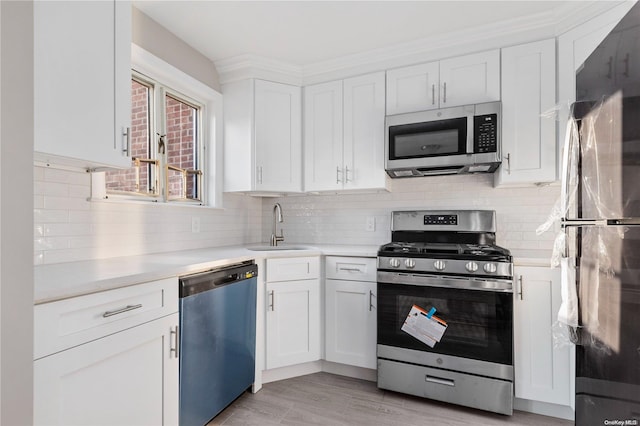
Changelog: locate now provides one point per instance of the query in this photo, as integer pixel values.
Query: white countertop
(65, 280)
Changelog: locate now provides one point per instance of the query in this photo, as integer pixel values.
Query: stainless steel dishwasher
(217, 340)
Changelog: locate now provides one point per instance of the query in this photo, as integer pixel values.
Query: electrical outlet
(371, 224)
(195, 224)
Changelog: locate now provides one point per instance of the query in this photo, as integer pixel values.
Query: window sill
(124, 199)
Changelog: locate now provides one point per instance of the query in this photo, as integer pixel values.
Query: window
(165, 145)
(176, 138)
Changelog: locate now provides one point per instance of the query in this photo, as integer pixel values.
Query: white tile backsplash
(341, 218)
(68, 228)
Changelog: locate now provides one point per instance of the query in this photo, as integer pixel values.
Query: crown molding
(255, 66)
(543, 25)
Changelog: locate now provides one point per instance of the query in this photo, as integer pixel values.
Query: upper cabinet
(528, 132)
(82, 83)
(451, 82)
(263, 139)
(344, 134)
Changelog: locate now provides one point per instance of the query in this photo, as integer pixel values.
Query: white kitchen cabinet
(82, 83)
(126, 378)
(414, 88)
(263, 137)
(350, 311)
(292, 311)
(542, 369)
(528, 124)
(344, 134)
(462, 80)
(574, 47)
(108, 358)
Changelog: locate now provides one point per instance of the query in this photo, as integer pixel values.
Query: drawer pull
(121, 310)
(350, 269)
(439, 380)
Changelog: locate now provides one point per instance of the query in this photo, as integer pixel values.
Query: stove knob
(410, 263)
(439, 265)
(471, 266)
(490, 268)
(394, 262)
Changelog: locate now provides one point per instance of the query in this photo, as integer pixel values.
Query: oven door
(478, 313)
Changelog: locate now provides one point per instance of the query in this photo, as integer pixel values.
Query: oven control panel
(436, 219)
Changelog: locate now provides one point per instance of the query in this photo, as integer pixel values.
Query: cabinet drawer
(294, 268)
(71, 322)
(351, 268)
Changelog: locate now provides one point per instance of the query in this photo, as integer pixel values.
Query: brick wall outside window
(124, 180)
(181, 137)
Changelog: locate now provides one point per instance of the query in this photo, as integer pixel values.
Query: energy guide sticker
(424, 326)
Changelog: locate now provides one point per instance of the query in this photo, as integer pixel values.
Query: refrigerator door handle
(564, 177)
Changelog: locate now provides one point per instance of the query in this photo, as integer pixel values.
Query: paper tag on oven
(424, 327)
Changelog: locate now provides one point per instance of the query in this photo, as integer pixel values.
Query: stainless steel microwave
(463, 139)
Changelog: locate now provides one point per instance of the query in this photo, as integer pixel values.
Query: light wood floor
(326, 399)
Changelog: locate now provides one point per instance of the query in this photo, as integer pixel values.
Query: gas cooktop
(483, 252)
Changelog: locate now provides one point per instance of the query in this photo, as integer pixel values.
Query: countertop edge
(51, 282)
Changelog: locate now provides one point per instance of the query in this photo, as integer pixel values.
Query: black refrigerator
(601, 223)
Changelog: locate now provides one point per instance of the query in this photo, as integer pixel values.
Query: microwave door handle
(470, 134)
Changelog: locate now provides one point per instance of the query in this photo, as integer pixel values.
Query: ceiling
(309, 32)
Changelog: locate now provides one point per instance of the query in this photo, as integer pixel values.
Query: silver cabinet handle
(520, 285)
(127, 308)
(444, 99)
(350, 269)
(346, 174)
(610, 64)
(433, 94)
(338, 172)
(439, 380)
(626, 65)
(127, 141)
(370, 300)
(272, 305)
(508, 162)
(259, 174)
(173, 349)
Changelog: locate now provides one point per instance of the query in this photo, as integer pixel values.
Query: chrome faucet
(277, 217)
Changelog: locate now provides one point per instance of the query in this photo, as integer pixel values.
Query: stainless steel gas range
(445, 309)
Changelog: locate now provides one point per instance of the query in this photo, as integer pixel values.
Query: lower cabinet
(351, 322)
(126, 378)
(350, 310)
(542, 368)
(293, 322)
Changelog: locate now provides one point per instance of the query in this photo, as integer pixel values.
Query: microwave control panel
(485, 135)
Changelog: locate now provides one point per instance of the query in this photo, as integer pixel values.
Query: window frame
(176, 83)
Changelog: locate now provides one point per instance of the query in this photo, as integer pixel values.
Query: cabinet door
(412, 89)
(542, 370)
(528, 93)
(364, 132)
(82, 82)
(278, 137)
(293, 322)
(574, 47)
(470, 79)
(323, 137)
(127, 378)
(351, 322)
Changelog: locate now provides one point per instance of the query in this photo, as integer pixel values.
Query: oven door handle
(425, 280)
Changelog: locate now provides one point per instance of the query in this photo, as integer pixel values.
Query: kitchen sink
(273, 248)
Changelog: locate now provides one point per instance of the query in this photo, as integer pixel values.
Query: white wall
(67, 227)
(340, 219)
(16, 213)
